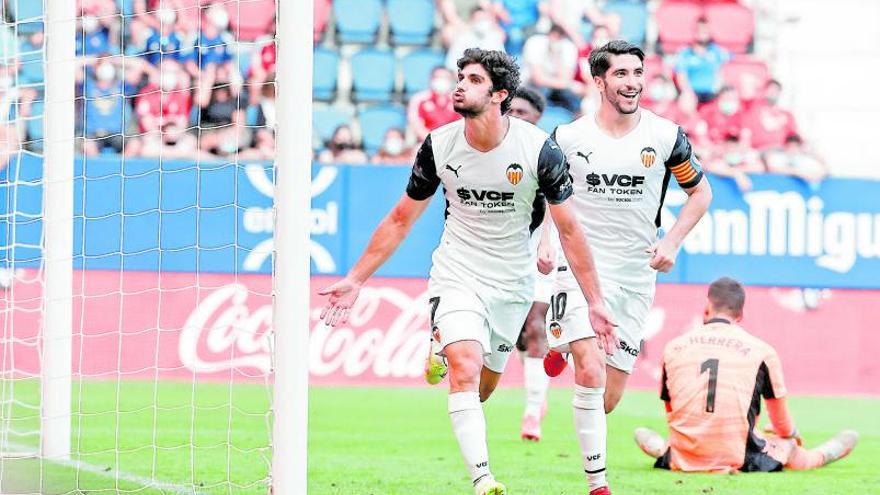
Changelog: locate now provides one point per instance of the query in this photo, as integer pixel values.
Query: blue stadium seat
(417, 67)
(633, 16)
(325, 121)
(357, 21)
(376, 120)
(411, 21)
(26, 9)
(325, 74)
(554, 116)
(373, 74)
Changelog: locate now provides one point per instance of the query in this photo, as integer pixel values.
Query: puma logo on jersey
(454, 170)
(585, 157)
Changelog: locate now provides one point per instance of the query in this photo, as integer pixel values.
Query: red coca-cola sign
(216, 327)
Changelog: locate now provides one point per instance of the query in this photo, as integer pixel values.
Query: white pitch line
(115, 474)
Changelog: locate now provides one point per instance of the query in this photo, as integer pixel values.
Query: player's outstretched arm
(580, 260)
(389, 234)
(546, 251)
(385, 240)
(687, 171)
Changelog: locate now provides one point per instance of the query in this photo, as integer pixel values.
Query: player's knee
(589, 372)
(464, 371)
(535, 346)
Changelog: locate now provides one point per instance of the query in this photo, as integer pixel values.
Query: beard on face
(616, 102)
(470, 110)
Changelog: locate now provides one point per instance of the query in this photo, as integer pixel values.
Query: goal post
(292, 228)
(57, 304)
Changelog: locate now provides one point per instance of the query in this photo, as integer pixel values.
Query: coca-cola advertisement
(217, 327)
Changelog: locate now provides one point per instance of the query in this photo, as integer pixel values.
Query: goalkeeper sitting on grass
(713, 381)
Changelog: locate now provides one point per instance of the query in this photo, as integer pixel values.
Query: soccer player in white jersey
(528, 104)
(622, 158)
(492, 169)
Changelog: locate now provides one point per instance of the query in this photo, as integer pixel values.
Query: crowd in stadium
(196, 80)
(176, 79)
(701, 73)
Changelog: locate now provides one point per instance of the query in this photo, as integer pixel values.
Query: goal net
(166, 283)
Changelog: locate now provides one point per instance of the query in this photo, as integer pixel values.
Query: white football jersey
(619, 186)
(494, 201)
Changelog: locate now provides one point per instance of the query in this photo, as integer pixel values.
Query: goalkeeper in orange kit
(712, 384)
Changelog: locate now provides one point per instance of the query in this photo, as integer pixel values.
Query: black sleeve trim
(554, 180)
(423, 181)
(664, 389)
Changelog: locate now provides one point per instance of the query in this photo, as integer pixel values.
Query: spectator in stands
(163, 111)
(104, 110)
(724, 116)
(93, 35)
(342, 148)
(481, 31)
(733, 159)
(518, 18)
(264, 126)
(551, 62)
(797, 160)
(431, 108)
(770, 125)
(143, 10)
(262, 68)
(222, 129)
(456, 15)
(528, 104)
(10, 132)
(167, 40)
(698, 66)
(212, 61)
(570, 15)
(394, 150)
(661, 98)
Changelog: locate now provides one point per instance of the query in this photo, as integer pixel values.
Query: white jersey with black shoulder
(619, 187)
(494, 201)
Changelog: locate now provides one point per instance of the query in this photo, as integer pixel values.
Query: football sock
(469, 427)
(589, 425)
(536, 382)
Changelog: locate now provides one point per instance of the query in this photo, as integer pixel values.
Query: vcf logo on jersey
(648, 156)
(514, 173)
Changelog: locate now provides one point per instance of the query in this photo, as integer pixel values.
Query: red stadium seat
(249, 19)
(322, 15)
(732, 25)
(654, 66)
(676, 22)
(748, 75)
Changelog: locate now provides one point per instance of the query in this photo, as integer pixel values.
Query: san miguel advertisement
(173, 262)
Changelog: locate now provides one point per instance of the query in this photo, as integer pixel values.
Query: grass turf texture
(398, 441)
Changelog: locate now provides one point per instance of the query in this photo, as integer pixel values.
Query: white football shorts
(472, 311)
(569, 320)
(544, 286)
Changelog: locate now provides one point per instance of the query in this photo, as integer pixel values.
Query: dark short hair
(771, 82)
(439, 68)
(726, 294)
(600, 58)
(502, 68)
(532, 96)
(794, 138)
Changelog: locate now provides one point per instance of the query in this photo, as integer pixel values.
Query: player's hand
(603, 325)
(663, 254)
(342, 294)
(546, 258)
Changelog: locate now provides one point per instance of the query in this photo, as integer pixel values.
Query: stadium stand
(411, 21)
(732, 25)
(634, 16)
(554, 116)
(357, 21)
(373, 74)
(417, 67)
(325, 74)
(375, 122)
(325, 120)
(675, 24)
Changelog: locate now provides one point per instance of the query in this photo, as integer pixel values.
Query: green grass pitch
(390, 441)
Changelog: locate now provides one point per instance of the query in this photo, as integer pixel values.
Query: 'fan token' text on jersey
(619, 186)
(494, 201)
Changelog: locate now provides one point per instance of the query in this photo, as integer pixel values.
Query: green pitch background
(389, 441)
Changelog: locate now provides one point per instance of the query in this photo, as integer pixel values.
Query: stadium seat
(411, 21)
(357, 21)
(23, 10)
(322, 16)
(676, 23)
(745, 73)
(376, 120)
(326, 71)
(654, 66)
(633, 16)
(249, 19)
(373, 75)
(554, 116)
(417, 67)
(325, 121)
(732, 25)
(35, 127)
